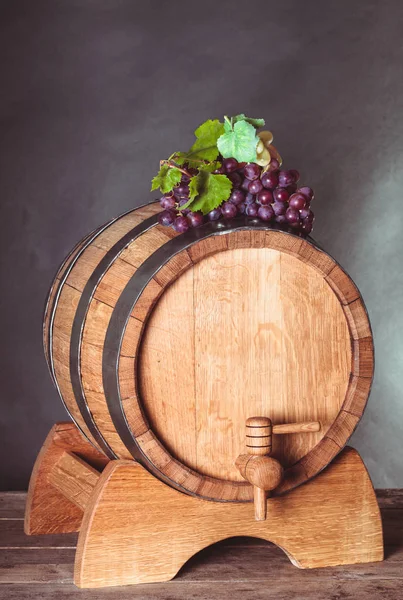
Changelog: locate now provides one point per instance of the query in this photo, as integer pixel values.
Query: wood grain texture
(47, 509)
(247, 320)
(74, 478)
(331, 520)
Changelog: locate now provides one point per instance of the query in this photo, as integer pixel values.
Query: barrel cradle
(162, 345)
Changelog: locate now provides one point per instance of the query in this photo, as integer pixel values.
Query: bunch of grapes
(270, 194)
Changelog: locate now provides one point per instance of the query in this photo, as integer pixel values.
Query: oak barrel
(162, 345)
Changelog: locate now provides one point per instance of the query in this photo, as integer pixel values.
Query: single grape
(269, 180)
(245, 184)
(183, 201)
(228, 210)
(214, 214)
(237, 197)
(280, 195)
(168, 202)
(274, 164)
(310, 217)
(280, 208)
(285, 178)
(249, 198)
(251, 171)
(292, 215)
(295, 175)
(297, 201)
(265, 213)
(306, 228)
(230, 164)
(235, 179)
(307, 192)
(241, 208)
(252, 209)
(181, 224)
(304, 212)
(255, 186)
(219, 171)
(182, 191)
(295, 225)
(195, 219)
(185, 178)
(281, 219)
(167, 217)
(265, 197)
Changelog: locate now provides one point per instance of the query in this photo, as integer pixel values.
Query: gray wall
(94, 93)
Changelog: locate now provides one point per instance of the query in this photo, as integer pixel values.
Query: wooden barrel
(162, 345)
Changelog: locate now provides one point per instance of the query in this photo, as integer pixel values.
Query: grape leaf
(207, 191)
(166, 179)
(205, 147)
(255, 122)
(240, 143)
(180, 158)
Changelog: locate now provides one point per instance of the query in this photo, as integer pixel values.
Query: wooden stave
(58, 288)
(208, 485)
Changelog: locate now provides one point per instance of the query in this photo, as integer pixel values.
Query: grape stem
(172, 165)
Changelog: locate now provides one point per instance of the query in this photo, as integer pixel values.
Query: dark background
(94, 93)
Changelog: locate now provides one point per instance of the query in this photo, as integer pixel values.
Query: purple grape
(167, 217)
(214, 214)
(237, 197)
(280, 195)
(245, 184)
(235, 179)
(292, 215)
(295, 225)
(185, 178)
(230, 164)
(195, 219)
(265, 213)
(307, 192)
(241, 208)
(306, 228)
(295, 175)
(274, 164)
(280, 219)
(182, 202)
(219, 171)
(181, 224)
(181, 191)
(252, 209)
(279, 208)
(304, 212)
(265, 197)
(310, 217)
(251, 171)
(269, 180)
(228, 210)
(297, 201)
(285, 178)
(255, 186)
(168, 202)
(249, 198)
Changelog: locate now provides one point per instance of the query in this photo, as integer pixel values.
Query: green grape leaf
(166, 179)
(207, 191)
(181, 158)
(205, 147)
(240, 143)
(255, 122)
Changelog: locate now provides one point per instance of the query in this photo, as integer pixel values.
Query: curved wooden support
(136, 529)
(48, 510)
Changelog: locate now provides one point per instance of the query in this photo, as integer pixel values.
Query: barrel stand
(136, 529)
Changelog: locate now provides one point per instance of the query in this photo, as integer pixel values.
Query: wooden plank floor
(41, 567)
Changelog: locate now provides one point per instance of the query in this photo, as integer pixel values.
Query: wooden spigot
(257, 467)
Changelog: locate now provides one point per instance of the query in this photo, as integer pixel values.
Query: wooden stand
(135, 529)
